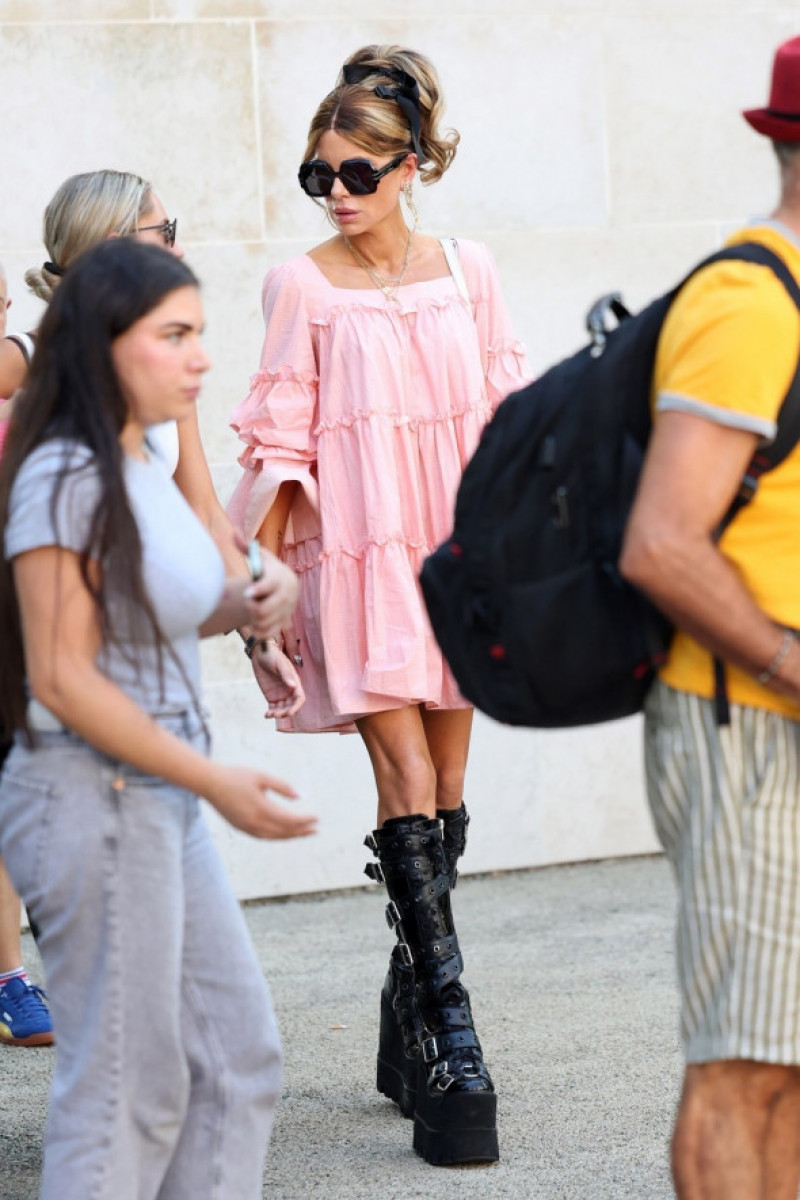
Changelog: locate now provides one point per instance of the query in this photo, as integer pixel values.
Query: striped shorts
(726, 805)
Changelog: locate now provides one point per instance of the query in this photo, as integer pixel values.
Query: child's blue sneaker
(24, 1015)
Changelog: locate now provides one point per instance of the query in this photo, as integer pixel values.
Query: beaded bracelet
(780, 658)
(250, 645)
(253, 641)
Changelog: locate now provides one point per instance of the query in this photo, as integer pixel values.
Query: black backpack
(525, 598)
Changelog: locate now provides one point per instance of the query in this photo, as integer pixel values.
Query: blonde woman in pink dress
(386, 353)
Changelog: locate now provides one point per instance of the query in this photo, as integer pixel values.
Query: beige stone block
(551, 278)
(678, 148)
(50, 11)
(567, 795)
(173, 103)
(363, 10)
(524, 158)
(495, 10)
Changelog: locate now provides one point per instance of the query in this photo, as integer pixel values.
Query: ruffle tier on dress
(374, 407)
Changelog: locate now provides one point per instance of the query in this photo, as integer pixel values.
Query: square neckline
(372, 289)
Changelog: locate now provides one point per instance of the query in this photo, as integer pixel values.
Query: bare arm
(276, 674)
(272, 531)
(194, 480)
(692, 472)
(13, 368)
(62, 639)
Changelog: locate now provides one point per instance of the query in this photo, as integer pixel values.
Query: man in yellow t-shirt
(726, 798)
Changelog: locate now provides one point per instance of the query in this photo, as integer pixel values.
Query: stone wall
(602, 149)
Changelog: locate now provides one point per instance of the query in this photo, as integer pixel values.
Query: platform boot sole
(457, 1128)
(397, 1073)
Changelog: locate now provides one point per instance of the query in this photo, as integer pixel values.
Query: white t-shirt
(182, 570)
(164, 440)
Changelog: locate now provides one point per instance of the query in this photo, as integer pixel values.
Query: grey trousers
(168, 1064)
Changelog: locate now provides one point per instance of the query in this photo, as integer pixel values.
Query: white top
(164, 440)
(182, 570)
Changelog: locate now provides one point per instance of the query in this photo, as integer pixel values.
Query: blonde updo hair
(84, 211)
(380, 126)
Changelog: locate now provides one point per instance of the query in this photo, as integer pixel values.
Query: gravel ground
(571, 975)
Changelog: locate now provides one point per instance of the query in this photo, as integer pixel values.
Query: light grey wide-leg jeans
(168, 1062)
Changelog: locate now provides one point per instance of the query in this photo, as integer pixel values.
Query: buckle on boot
(440, 1077)
(374, 871)
(393, 915)
(430, 1050)
(371, 843)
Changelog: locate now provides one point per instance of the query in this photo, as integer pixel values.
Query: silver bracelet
(780, 658)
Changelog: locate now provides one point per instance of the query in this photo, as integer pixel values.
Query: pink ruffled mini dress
(375, 407)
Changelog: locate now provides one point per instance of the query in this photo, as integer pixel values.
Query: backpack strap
(766, 458)
(450, 247)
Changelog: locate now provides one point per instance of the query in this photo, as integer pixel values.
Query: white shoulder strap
(25, 343)
(450, 247)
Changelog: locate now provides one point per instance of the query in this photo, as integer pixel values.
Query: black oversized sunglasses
(357, 175)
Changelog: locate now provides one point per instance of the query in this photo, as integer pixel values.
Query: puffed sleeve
(505, 362)
(277, 418)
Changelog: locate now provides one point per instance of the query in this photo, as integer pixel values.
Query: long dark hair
(72, 391)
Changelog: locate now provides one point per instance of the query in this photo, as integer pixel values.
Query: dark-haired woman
(84, 210)
(108, 581)
(385, 355)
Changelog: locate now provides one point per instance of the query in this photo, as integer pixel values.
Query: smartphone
(254, 563)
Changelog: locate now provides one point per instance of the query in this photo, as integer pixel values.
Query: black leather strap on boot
(401, 1029)
(455, 823)
(454, 1119)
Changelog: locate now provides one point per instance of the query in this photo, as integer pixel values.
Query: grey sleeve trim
(674, 402)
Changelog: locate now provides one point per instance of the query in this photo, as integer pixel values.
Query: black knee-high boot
(455, 822)
(400, 1024)
(455, 1102)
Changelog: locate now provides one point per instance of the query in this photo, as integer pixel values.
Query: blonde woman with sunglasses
(386, 353)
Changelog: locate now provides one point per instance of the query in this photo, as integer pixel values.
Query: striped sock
(17, 973)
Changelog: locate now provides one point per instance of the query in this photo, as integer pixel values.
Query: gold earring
(408, 196)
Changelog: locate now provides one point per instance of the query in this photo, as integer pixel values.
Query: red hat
(781, 121)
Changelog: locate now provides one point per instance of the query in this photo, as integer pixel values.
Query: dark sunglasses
(167, 229)
(358, 176)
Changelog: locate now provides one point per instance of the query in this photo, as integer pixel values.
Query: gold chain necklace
(388, 284)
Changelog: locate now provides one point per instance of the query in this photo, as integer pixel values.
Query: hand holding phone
(255, 563)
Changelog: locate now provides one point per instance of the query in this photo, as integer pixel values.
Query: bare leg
(401, 761)
(737, 1135)
(419, 758)
(10, 943)
(447, 734)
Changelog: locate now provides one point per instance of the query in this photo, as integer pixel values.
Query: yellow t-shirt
(728, 351)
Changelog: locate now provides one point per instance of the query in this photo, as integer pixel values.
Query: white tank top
(164, 440)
